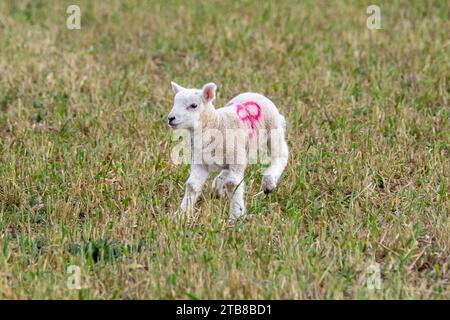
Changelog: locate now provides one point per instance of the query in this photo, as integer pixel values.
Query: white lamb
(244, 117)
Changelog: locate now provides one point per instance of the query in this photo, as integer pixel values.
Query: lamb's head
(189, 104)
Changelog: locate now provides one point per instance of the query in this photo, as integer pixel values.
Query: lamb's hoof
(231, 223)
(218, 193)
(180, 213)
(236, 216)
(268, 184)
(218, 189)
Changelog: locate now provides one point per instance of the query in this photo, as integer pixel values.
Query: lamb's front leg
(194, 185)
(235, 187)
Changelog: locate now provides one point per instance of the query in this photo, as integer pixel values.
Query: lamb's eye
(193, 106)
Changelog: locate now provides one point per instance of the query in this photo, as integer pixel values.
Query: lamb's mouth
(174, 125)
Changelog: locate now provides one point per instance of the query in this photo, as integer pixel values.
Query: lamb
(244, 122)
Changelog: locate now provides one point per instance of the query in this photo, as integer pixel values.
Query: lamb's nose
(171, 119)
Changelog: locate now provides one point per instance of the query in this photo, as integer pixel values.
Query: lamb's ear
(209, 92)
(176, 87)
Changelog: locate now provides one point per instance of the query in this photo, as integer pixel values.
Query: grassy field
(86, 177)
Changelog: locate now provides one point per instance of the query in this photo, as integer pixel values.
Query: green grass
(86, 177)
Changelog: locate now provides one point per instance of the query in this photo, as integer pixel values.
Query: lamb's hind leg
(278, 157)
(218, 185)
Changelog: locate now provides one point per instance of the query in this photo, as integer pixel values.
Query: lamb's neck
(210, 118)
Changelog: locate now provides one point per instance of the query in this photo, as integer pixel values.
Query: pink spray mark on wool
(249, 112)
